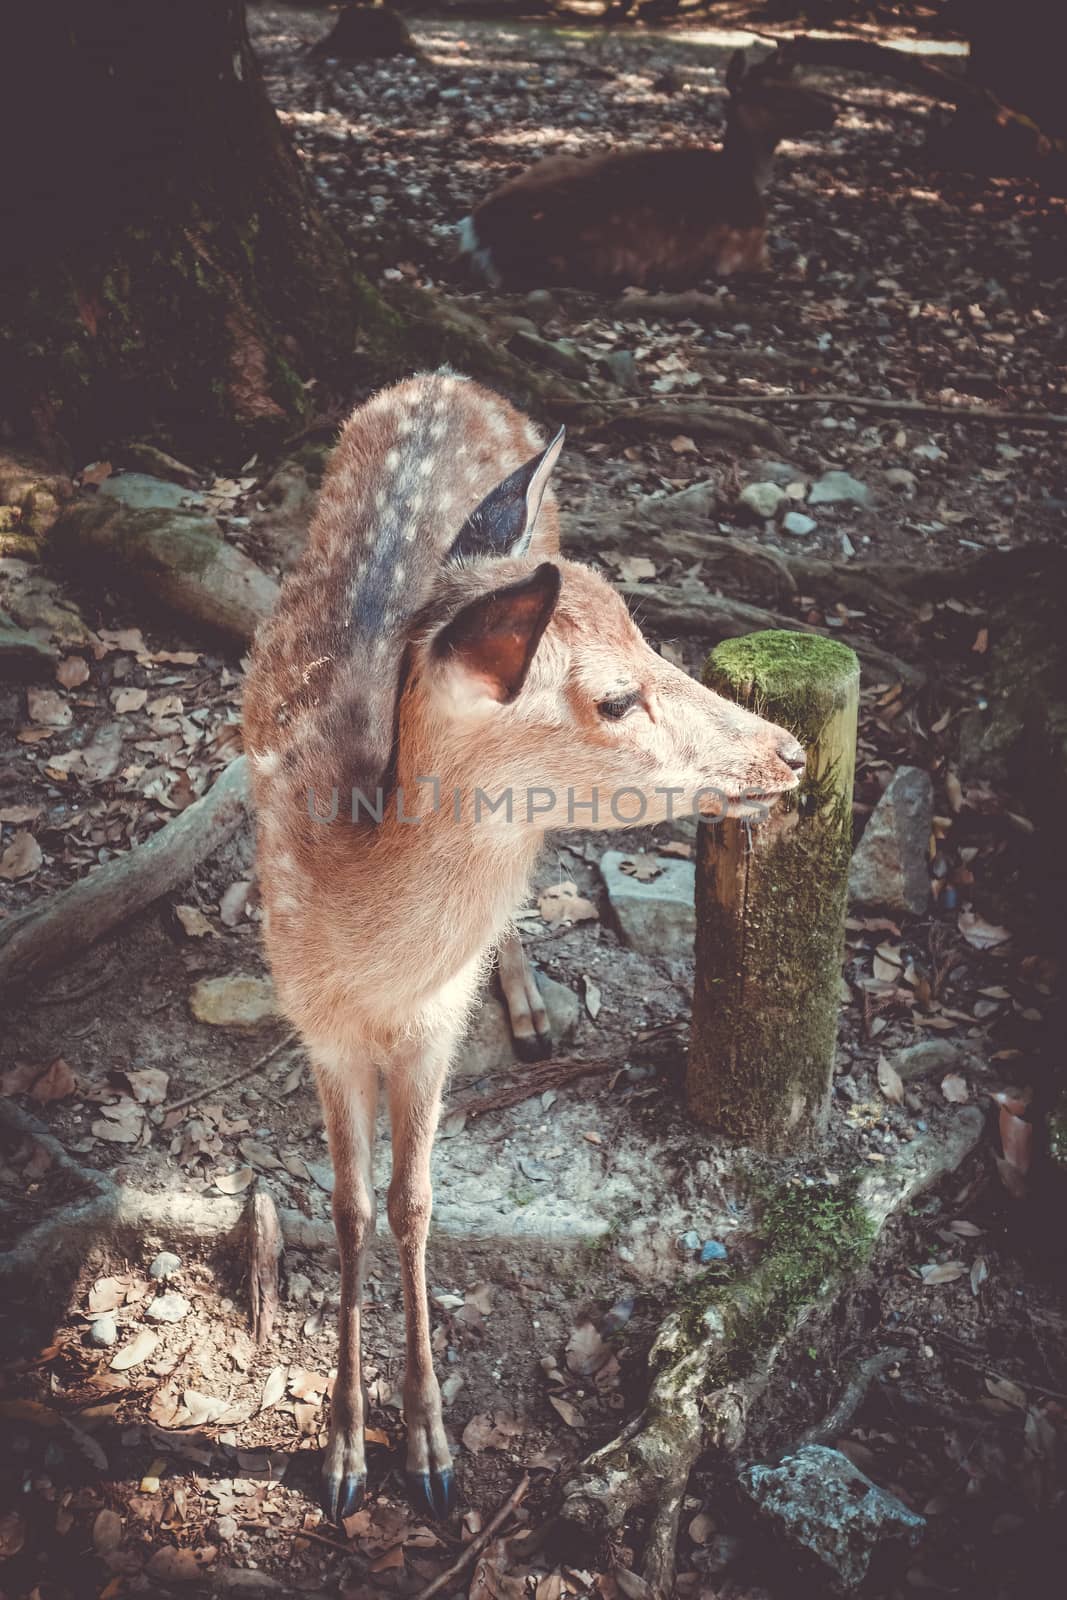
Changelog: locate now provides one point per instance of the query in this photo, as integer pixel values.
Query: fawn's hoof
(342, 1493)
(433, 1493)
(532, 1046)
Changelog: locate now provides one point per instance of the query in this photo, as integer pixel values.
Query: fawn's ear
(735, 72)
(492, 640)
(504, 522)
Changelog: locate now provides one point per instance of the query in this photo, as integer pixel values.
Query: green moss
(804, 677)
(811, 1236)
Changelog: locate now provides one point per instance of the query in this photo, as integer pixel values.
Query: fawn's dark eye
(617, 707)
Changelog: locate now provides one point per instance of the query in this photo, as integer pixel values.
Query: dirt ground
(199, 1461)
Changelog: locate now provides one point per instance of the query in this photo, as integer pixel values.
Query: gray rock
(779, 472)
(165, 1265)
(928, 452)
(172, 1307)
(818, 1501)
(299, 1286)
(488, 1045)
(539, 302)
(621, 368)
(797, 523)
(657, 917)
(839, 488)
(145, 493)
(560, 355)
(930, 1056)
(104, 1330)
(19, 649)
(763, 498)
(288, 500)
(694, 504)
(238, 1000)
(889, 866)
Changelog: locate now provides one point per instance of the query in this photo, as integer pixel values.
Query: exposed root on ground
(693, 1404)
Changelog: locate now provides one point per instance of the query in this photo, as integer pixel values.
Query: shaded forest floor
(889, 281)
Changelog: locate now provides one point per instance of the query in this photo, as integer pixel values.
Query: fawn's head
(768, 104)
(531, 676)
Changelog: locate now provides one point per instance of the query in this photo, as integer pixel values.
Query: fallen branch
(690, 306)
(689, 1408)
(638, 415)
(69, 922)
(478, 1543)
(852, 1396)
(668, 609)
(216, 1086)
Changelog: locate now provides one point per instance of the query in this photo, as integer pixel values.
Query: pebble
(763, 498)
(168, 1308)
(689, 1241)
(797, 523)
(165, 1265)
(928, 452)
(900, 478)
(104, 1330)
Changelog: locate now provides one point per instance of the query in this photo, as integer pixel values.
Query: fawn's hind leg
(414, 1083)
(530, 1028)
(348, 1089)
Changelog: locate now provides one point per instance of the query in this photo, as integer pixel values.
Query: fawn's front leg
(415, 1083)
(348, 1089)
(530, 1028)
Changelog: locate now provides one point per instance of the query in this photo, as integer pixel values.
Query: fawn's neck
(749, 153)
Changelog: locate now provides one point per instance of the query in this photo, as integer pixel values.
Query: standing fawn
(432, 654)
(648, 217)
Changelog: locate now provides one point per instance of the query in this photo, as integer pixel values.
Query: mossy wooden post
(770, 902)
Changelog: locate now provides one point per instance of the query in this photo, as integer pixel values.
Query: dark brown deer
(651, 218)
(432, 653)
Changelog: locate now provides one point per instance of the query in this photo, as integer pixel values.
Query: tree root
(69, 922)
(699, 418)
(690, 1408)
(667, 610)
(117, 1213)
(851, 1398)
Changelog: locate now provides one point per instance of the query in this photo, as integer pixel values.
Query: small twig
(235, 1077)
(478, 1543)
(531, 1081)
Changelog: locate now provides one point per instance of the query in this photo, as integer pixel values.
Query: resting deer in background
(648, 217)
(434, 647)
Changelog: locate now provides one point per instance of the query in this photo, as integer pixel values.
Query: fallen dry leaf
(234, 1182)
(946, 1272)
(980, 934)
(563, 903)
(136, 1352)
(125, 700)
(644, 868)
(274, 1388)
(193, 921)
(954, 1088)
(72, 671)
(570, 1414)
(889, 1081)
(491, 1431)
(48, 708)
(21, 858)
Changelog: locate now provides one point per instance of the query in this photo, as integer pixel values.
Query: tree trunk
(771, 903)
(163, 268)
